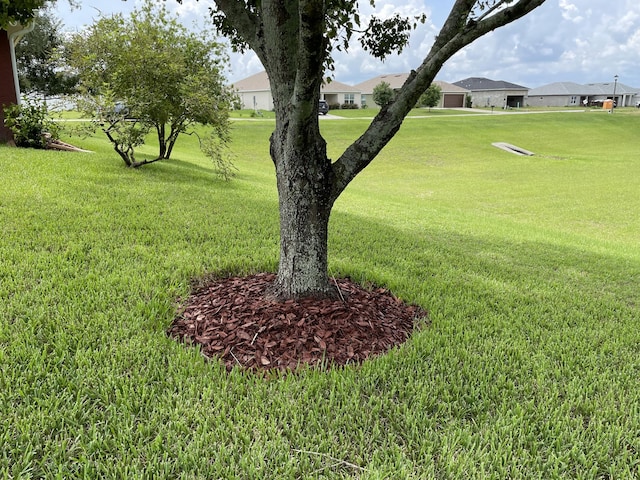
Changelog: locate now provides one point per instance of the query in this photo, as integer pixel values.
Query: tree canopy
(21, 11)
(159, 73)
(430, 97)
(37, 60)
(382, 94)
(12, 11)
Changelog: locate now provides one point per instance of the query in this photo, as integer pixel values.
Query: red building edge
(8, 91)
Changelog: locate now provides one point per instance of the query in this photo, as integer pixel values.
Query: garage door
(453, 100)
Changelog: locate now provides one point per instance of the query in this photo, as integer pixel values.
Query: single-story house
(569, 94)
(255, 92)
(452, 96)
(494, 93)
(9, 90)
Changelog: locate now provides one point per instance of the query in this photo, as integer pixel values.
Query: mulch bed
(236, 320)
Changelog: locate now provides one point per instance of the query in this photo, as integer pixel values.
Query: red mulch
(236, 320)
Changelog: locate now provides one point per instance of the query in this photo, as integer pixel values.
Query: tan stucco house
(452, 95)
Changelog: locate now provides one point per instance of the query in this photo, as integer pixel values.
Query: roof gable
(395, 80)
(254, 83)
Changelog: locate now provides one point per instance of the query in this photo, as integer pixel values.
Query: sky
(581, 41)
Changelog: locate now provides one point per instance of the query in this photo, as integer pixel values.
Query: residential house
(452, 96)
(255, 92)
(569, 94)
(494, 93)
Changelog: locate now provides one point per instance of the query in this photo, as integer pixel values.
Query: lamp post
(613, 100)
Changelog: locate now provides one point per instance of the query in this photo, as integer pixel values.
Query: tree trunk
(303, 174)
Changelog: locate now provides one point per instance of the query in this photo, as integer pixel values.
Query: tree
(293, 39)
(38, 68)
(382, 94)
(21, 11)
(18, 11)
(154, 71)
(430, 97)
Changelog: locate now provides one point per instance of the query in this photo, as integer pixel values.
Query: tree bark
(304, 178)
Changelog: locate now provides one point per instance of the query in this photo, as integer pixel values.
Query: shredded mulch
(236, 320)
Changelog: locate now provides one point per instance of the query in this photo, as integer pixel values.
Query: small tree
(166, 77)
(431, 97)
(382, 94)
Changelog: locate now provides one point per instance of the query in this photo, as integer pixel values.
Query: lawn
(528, 266)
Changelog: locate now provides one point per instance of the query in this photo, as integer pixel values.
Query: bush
(334, 106)
(349, 106)
(31, 124)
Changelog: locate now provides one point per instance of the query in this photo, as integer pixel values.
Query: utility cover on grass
(512, 148)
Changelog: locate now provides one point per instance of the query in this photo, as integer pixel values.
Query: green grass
(373, 111)
(529, 267)
(365, 113)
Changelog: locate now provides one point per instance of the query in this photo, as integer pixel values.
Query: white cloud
(563, 40)
(570, 11)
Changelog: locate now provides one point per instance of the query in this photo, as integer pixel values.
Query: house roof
(570, 88)
(396, 80)
(254, 83)
(338, 87)
(478, 84)
(260, 83)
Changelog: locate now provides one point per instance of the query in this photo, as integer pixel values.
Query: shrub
(31, 124)
(349, 106)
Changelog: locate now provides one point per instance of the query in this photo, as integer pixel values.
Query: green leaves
(383, 94)
(18, 10)
(384, 37)
(431, 97)
(31, 124)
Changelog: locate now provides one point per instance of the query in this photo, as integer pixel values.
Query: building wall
(7, 84)
(497, 98)
(263, 100)
(340, 98)
(256, 100)
(552, 101)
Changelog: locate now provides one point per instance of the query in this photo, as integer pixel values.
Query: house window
(349, 98)
(574, 100)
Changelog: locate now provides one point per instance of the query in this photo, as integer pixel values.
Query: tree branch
(245, 22)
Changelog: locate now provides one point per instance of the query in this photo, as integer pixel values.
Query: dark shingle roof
(478, 84)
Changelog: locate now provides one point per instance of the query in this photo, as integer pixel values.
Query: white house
(255, 92)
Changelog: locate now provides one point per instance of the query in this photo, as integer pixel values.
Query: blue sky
(582, 41)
